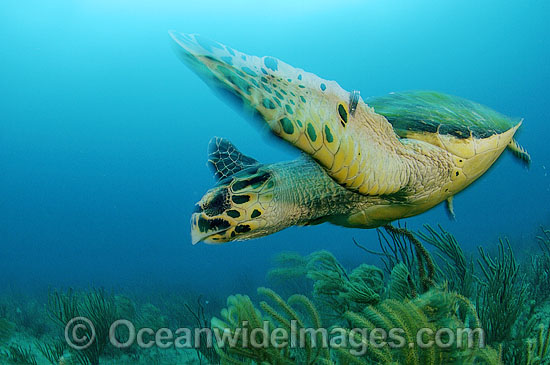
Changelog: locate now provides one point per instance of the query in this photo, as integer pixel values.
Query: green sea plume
(18, 355)
(341, 291)
(426, 314)
(401, 286)
(539, 268)
(6, 329)
(436, 309)
(96, 305)
(248, 326)
(502, 292)
(458, 271)
(289, 273)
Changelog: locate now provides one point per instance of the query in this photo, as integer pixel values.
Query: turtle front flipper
(226, 159)
(357, 147)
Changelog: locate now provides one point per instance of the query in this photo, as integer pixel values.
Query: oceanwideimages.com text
(80, 334)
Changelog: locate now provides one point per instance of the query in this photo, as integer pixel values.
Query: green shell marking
(433, 112)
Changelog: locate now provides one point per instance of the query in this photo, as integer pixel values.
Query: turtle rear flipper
(449, 205)
(519, 152)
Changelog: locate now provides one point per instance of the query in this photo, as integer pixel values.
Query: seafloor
(411, 281)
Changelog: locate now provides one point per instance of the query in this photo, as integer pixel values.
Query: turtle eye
(217, 204)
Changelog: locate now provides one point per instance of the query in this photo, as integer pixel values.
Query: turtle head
(242, 204)
(238, 208)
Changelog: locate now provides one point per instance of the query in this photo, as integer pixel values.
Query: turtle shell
(474, 134)
(423, 114)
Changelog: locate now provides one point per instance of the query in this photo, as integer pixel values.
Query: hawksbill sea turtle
(365, 163)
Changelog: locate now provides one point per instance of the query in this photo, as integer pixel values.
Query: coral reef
(289, 273)
(53, 350)
(6, 329)
(539, 268)
(98, 306)
(432, 310)
(502, 292)
(18, 355)
(242, 321)
(412, 292)
(458, 271)
(495, 296)
(341, 291)
(203, 350)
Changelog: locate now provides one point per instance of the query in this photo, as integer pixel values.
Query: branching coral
(457, 270)
(240, 315)
(314, 350)
(98, 306)
(289, 273)
(330, 279)
(6, 329)
(501, 297)
(538, 351)
(52, 351)
(539, 270)
(401, 286)
(426, 267)
(203, 350)
(246, 326)
(339, 291)
(403, 320)
(399, 245)
(19, 355)
(365, 284)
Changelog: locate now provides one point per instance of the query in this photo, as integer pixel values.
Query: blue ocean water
(103, 131)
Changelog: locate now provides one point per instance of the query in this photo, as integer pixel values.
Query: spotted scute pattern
(307, 111)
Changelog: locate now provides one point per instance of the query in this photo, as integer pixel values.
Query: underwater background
(103, 131)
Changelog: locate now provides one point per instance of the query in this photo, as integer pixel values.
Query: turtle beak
(196, 235)
(207, 229)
